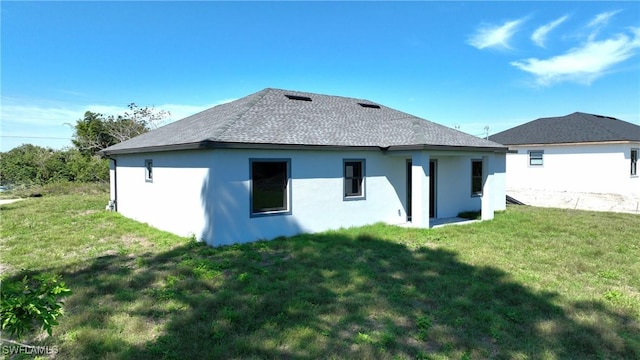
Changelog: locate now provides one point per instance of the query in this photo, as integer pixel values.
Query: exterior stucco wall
(317, 202)
(206, 193)
(499, 181)
(453, 184)
(171, 201)
(112, 179)
(597, 168)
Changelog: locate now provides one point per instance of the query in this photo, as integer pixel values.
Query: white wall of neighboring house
(206, 193)
(590, 168)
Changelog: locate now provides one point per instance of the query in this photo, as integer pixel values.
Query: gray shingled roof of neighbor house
(275, 117)
(574, 128)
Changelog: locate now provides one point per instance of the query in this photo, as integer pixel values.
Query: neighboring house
(574, 153)
(279, 163)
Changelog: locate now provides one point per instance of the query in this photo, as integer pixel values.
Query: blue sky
(462, 64)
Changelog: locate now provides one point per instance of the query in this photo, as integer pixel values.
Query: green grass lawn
(532, 284)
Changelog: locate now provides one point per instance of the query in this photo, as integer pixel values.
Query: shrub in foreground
(32, 302)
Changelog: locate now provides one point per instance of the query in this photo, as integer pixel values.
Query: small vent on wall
(296, 97)
(373, 106)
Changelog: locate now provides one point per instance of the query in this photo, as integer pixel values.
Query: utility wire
(34, 137)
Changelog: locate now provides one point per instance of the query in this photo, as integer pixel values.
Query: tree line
(36, 165)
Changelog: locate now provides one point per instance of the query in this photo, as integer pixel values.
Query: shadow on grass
(325, 295)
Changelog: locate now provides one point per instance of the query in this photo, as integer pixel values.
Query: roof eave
(232, 145)
(271, 146)
(496, 149)
(606, 142)
(158, 148)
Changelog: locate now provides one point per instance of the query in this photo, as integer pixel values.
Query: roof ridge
(250, 105)
(596, 115)
(331, 96)
(607, 129)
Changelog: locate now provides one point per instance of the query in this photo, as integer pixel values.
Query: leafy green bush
(32, 302)
(29, 165)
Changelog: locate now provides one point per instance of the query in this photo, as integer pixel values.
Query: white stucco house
(278, 163)
(579, 153)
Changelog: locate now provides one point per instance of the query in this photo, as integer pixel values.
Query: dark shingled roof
(574, 128)
(270, 117)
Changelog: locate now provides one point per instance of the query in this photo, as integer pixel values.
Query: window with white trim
(476, 177)
(536, 157)
(634, 162)
(354, 173)
(269, 186)
(148, 170)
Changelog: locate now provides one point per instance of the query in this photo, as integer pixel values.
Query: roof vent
(296, 97)
(373, 106)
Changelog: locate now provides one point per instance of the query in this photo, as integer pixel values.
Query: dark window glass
(148, 170)
(476, 178)
(269, 186)
(353, 178)
(634, 162)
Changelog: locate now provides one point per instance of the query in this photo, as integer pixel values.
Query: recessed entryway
(432, 189)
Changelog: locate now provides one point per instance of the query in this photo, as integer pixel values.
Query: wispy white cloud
(495, 36)
(583, 64)
(539, 36)
(37, 115)
(600, 21)
(43, 124)
(33, 119)
(602, 18)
